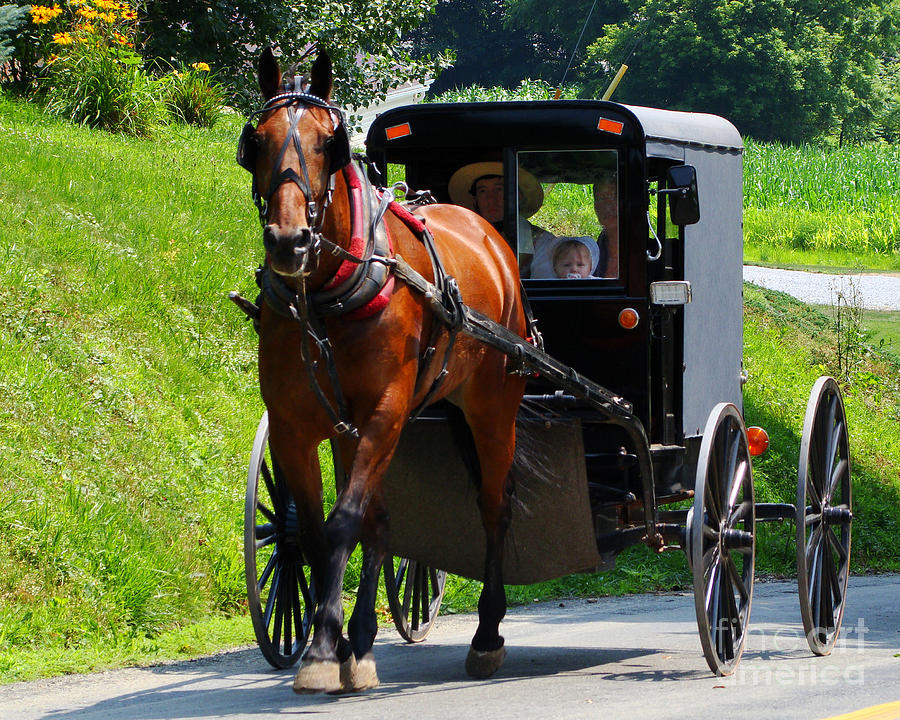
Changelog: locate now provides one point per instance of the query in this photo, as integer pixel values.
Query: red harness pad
(410, 220)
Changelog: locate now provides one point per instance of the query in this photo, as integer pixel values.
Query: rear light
(670, 292)
(629, 318)
(758, 440)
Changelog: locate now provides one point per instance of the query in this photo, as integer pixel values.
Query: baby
(572, 259)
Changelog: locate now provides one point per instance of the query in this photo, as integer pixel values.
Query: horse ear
(269, 74)
(320, 77)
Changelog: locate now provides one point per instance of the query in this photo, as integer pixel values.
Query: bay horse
(356, 332)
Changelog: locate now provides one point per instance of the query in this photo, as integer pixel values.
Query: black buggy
(635, 404)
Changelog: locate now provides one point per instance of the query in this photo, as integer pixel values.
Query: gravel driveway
(875, 292)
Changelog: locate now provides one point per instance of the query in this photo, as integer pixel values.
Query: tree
(779, 69)
(489, 49)
(363, 38)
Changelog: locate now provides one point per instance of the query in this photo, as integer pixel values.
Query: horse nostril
(270, 238)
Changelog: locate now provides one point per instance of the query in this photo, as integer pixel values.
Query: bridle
(296, 103)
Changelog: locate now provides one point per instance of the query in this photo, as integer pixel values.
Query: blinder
(246, 153)
(339, 148)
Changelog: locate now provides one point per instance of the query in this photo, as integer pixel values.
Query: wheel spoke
(267, 570)
(737, 581)
(812, 547)
(815, 498)
(836, 544)
(724, 639)
(710, 559)
(416, 582)
(274, 496)
(267, 513)
(737, 484)
(834, 430)
(839, 473)
(712, 592)
(272, 600)
(815, 577)
(265, 541)
(287, 587)
(712, 504)
(826, 609)
(407, 590)
(732, 446)
(296, 605)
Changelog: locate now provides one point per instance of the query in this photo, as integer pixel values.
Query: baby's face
(572, 263)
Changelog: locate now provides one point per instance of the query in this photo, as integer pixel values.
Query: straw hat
(460, 186)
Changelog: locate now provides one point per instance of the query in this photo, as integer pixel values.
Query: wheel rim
(280, 595)
(824, 503)
(722, 539)
(414, 593)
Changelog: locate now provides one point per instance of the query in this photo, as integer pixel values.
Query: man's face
(605, 199)
(489, 198)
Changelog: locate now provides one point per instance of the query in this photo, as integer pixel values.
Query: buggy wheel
(824, 516)
(722, 539)
(414, 593)
(279, 591)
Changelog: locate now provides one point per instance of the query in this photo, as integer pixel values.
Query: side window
(568, 214)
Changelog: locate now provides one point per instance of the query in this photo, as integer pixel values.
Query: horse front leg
(358, 671)
(360, 500)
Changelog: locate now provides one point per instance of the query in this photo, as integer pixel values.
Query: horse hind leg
(493, 432)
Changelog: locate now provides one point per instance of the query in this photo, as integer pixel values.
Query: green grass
(822, 206)
(129, 399)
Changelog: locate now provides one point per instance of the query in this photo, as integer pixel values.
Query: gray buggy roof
(664, 128)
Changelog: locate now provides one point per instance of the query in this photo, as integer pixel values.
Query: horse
(359, 330)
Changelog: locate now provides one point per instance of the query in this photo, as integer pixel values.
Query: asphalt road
(633, 657)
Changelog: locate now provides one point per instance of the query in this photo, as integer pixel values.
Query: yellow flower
(129, 14)
(41, 15)
(200, 66)
(62, 38)
(107, 17)
(104, 4)
(120, 38)
(88, 28)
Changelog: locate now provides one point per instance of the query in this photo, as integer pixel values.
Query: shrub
(193, 96)
(93, 86)
(81, 57)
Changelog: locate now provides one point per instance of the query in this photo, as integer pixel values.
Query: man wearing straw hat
(479, 187)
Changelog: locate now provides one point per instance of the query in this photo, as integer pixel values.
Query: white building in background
(406, 94)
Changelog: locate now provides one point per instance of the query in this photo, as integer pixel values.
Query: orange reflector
(758, 440)
(398, 131)
(629, 318)
(611, 126)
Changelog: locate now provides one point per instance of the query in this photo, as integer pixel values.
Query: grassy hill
(128, 402)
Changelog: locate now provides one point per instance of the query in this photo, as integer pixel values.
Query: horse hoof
(482, 664)
(358, 675)
(318, 676)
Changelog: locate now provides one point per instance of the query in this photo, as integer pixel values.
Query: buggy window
(568, 214)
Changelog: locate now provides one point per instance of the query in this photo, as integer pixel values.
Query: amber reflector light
(629, 318)
(758, 440)
(398, 131)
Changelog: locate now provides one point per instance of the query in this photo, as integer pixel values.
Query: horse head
(297, 146)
